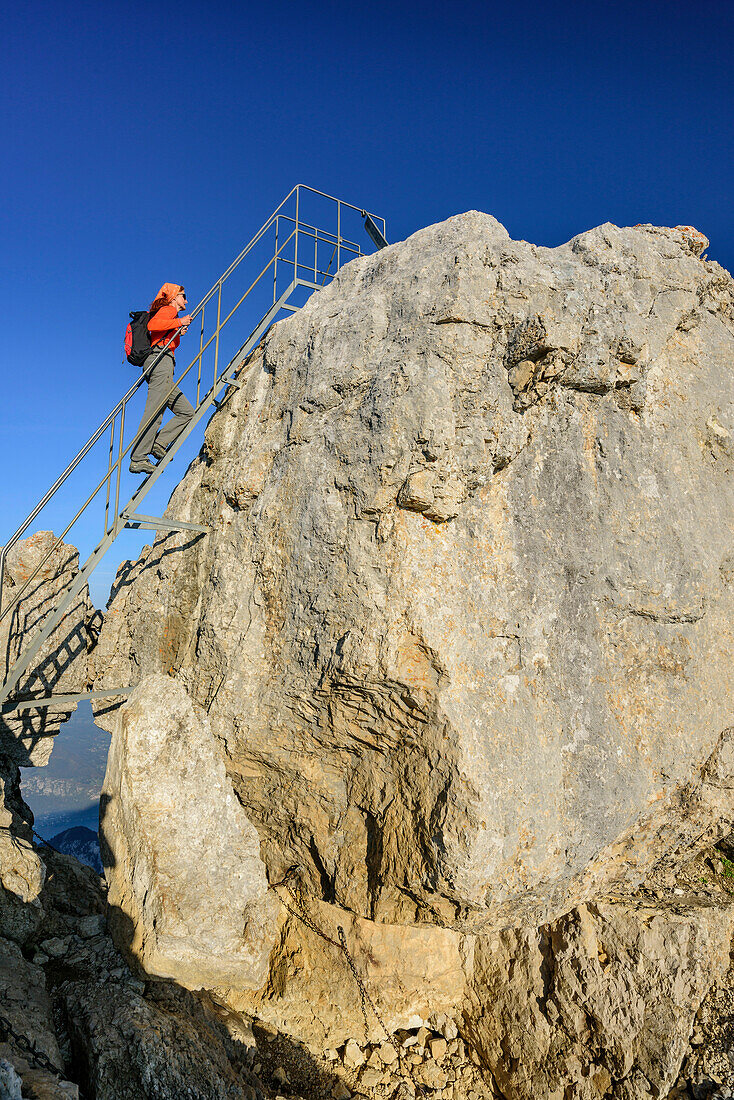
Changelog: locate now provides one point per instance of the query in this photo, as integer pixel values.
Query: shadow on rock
(83, 1024)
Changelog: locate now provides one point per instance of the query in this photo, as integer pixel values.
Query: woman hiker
(163, 322)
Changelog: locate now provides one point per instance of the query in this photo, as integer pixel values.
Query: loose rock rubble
(423, 1061)
(708, 1070)
(117, 1035)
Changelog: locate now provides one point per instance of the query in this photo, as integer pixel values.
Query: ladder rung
(373, 232)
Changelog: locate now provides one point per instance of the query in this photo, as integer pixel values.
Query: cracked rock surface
(461, 634)
(454, 649)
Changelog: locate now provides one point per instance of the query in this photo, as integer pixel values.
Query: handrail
(56, 616)
(119, 409)
(117, 468)
(133, 389)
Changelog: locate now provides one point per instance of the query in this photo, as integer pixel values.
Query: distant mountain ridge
(66, 791)
(81, 843)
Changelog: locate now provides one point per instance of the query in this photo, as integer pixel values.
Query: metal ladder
(301, 254)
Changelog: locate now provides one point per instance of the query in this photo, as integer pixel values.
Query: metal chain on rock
(300, 911)
(365, 999)
(26, 1046)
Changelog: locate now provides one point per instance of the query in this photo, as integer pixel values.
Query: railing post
(275, 264)
(201, 357)
(109, 474)
(112, 527)
(119, 468)
(216, 342)
(295, 266)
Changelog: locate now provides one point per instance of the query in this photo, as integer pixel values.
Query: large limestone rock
(187, 888)
(460, 636)
(463, 626)
(61, 666)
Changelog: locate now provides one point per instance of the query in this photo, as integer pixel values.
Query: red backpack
(137, 338)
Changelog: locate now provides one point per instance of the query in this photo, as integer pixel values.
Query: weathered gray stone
(462, 718)
(163, 1045)
(186, 883)
(462, 633)
(10, 1082)
(25, 1004)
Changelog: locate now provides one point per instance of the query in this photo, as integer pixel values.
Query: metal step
(377, 238)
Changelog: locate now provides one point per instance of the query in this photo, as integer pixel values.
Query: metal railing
(298, 253)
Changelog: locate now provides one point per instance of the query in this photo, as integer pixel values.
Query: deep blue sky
(145, 143)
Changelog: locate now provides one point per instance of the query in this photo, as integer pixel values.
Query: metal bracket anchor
(158, 523)
(227, 382)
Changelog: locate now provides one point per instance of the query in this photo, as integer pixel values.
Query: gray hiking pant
(162, 394)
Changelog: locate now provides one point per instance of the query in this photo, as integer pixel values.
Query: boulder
(22, 871)
(188, 895)
(458, 645)
(490, 716)
(602, 1001)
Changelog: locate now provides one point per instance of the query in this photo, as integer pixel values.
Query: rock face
(458, 625)
(61, 667)
(601, 1001)
(21, 869)
(92, 1028)
(709, 1067)
(460, 643)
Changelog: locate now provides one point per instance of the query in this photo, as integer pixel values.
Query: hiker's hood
(169, 291)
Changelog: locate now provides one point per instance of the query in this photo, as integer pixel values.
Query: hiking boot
(157, 451)
(144, 466)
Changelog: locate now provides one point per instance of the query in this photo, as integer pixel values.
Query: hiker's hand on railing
(185, 322)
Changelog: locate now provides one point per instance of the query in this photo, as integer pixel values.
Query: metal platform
(302, 245)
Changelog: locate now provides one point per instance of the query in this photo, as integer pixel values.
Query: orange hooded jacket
(165, 322)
